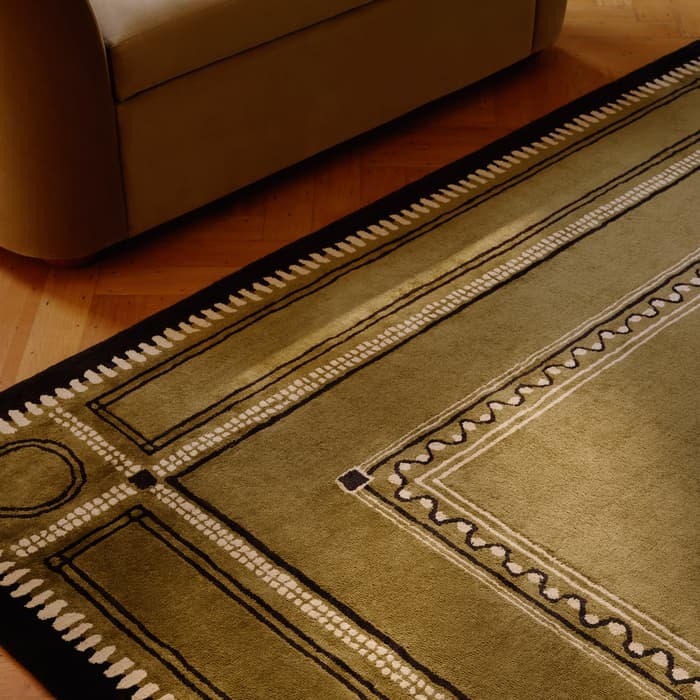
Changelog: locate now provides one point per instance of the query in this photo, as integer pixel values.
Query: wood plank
(337, 188)
(688, 13)
(16, 683)
(21, 286)
(59, 322)
(110, 314)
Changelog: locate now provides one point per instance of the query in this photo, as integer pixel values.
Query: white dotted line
(290, 589)
(304, 386)
(350, 244)
(76, 518)
(94, 441)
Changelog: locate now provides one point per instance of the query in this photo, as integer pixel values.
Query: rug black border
(45, 654)
(63, 670)
(63, 372)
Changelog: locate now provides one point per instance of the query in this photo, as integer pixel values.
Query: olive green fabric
(451, 454)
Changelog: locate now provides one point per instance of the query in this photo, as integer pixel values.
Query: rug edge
(33, 654)
(41, 653)
(61, 373)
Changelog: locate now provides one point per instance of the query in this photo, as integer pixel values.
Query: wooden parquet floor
(47, 314)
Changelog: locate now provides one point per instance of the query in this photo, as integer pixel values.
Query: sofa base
(82, 170)
(265, 109)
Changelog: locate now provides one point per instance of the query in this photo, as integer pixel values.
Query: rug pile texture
(445, 448)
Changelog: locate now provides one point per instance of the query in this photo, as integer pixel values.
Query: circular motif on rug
(37, 476)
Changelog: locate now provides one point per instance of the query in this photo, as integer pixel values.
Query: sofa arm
(61, 194)
(549, 17)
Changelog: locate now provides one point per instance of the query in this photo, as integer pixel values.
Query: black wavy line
(561, 366)
(674, 297)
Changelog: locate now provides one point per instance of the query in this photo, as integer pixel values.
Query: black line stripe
(534, 229)
(124, 629)
(410, 298)
(213, 410)
(148, 634)
(89, 541)
(257, 614)
(509, 584)
(426, 435)
(429, 326)
(63, 372)
(390, 246)
(309, 583)
(126, 429)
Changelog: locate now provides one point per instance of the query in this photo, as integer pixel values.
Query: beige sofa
(118, 115)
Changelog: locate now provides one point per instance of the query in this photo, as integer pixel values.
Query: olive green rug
(446, 448)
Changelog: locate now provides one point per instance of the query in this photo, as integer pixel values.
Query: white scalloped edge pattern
(78, 631)
(408, 216)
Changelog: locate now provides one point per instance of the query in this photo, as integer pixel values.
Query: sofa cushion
(152, 41)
